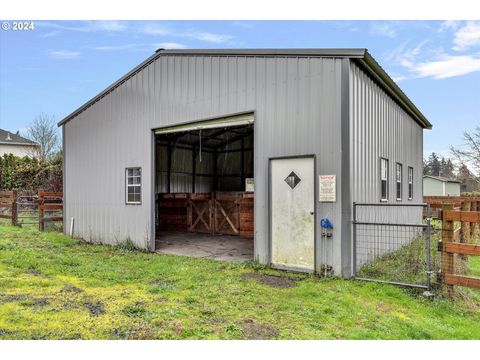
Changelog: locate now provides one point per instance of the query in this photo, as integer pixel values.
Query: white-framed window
(133, 185)
(383, 179)
(410, 183)
(398, 180)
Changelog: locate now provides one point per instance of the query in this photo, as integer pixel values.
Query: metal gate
(391, 243)
(27, 209)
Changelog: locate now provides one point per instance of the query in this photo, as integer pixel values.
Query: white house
(11, 143)
(440, 186)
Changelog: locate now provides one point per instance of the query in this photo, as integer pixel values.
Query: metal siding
(379, 127)
(297, 105)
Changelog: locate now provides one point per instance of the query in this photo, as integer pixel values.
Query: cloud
(467, 36)
(85, 26)
(208, 37)
(243, 24)
(170, 45)
(422, 61)
(398, 78)
(140, 46)
(50, 34)
(448, 66)
(117, 47)
(383, 29)
(64, 54)
(156, 29)
(449, 25)
(110, 25)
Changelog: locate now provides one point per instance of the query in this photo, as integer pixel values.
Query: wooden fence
(217, 213)
(47, 205)
(455, 242)
(8, 208)
(436, 203)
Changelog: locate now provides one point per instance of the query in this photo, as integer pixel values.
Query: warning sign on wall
(327, 188)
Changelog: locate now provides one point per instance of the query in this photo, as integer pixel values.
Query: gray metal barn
(188, 131)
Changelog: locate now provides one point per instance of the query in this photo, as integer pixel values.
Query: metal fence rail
(392, 243)
(27, 209)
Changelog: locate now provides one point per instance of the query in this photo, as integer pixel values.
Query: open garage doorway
(204, 189)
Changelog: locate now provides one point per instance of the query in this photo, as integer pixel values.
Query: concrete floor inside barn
(218, 247)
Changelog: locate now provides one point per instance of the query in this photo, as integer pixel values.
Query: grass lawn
(54, 287)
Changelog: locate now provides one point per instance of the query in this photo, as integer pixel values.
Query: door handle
(312, 213)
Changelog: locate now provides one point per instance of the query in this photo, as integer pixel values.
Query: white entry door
(292, 213)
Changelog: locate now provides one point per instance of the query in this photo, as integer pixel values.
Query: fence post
(14, 208)
(41, 224)
(474, 226)
(465, 235)
(448, 261)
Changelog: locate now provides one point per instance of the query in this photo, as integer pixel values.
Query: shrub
(128, 245)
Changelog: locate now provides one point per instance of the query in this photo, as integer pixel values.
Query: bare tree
(43, 130)
(471, 152)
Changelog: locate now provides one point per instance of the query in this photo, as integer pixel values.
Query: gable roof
(442, 179)
(361, 56)
(8, 138)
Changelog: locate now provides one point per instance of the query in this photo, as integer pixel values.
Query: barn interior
(204, 192)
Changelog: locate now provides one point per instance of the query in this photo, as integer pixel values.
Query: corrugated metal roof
(6, 137)
(362, 56)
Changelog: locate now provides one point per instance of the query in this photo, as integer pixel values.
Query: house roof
(441, 178)
(361, 56)
(8, 138)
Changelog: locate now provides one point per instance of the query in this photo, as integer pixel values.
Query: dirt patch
(258, 331)
(33, 272)
(162, 281)
(95, 308)
(71, 289)
(7, 298)
(4, 332)
(139, 332)
(35, 302)
(276, 281)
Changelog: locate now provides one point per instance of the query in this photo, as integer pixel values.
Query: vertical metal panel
(297, 105)
(379, 127)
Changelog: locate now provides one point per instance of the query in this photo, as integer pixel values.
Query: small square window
(133, 184)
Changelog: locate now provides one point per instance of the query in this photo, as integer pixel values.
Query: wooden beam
(465, 234)
(469, 216)
(465, 249)
(470, 282)
(49, 207)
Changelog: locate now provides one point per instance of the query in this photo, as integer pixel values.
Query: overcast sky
(59, 65)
